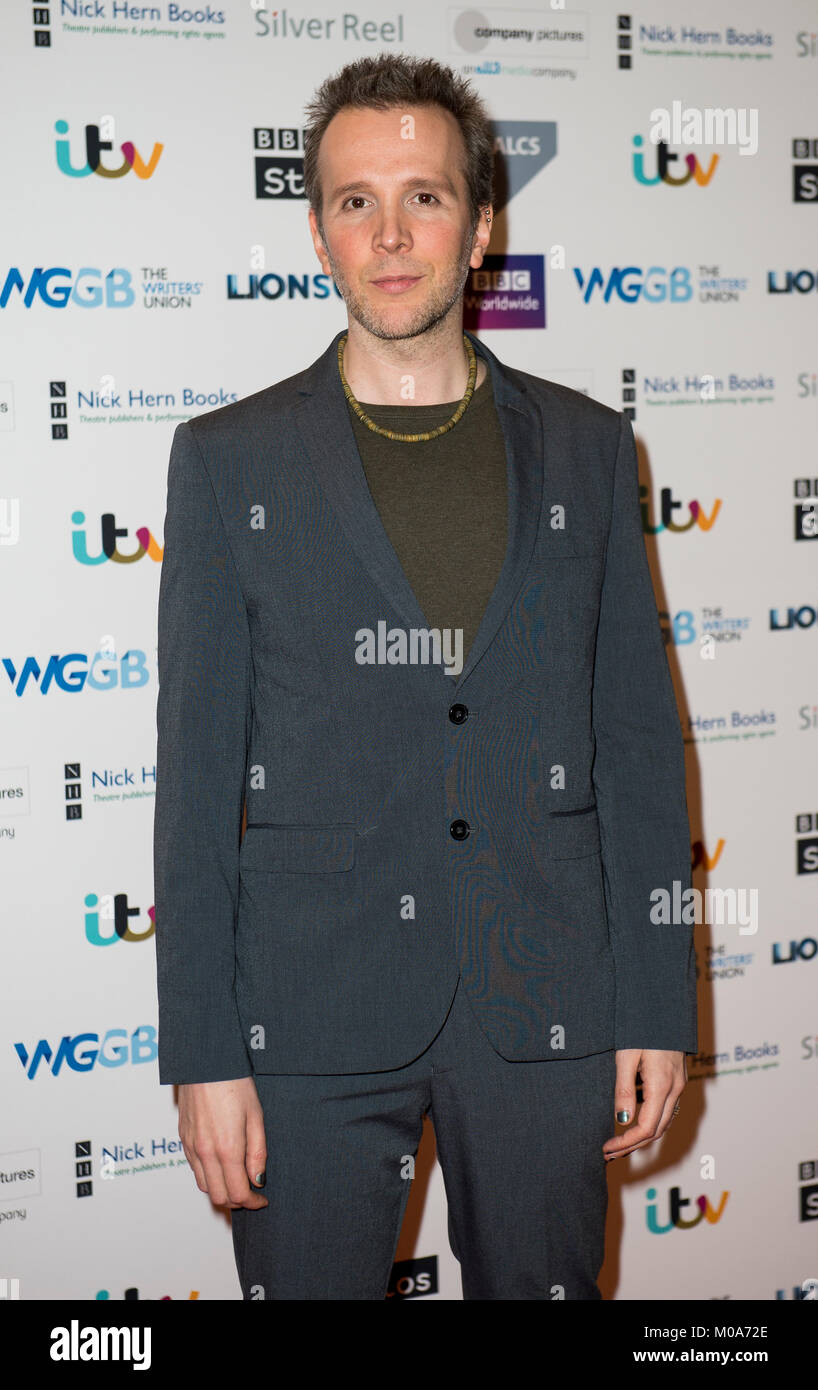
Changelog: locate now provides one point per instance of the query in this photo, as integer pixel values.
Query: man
(406, 621)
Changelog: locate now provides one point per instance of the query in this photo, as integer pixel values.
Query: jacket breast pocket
(572, 834)
(301, 849)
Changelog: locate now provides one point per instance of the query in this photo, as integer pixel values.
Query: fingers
(627, 1063)
(255, 1161)
(239, 1192)
(654, 1116)
(221, 1126)
(670, 1105)
(198, 1171)
(642, 1131)
(215, 1183)
(225, 1179)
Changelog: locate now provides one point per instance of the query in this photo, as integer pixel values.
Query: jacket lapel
(322, 419)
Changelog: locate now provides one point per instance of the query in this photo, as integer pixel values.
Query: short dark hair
(393, 80)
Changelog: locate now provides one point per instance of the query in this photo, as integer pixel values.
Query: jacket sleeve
(203, 716)
(639, 778)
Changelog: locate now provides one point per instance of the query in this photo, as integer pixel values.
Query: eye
(359, 197)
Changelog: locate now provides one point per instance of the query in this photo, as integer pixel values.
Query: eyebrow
(443, 182)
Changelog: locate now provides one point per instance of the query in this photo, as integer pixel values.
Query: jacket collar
(322, 418)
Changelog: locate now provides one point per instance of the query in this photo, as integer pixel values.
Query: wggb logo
(88, 288)
(116, 1048)
(630, 283)
(103, 671)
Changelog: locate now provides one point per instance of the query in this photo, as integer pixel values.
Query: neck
(377, 368)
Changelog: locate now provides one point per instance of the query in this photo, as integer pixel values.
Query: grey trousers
(519, 1145)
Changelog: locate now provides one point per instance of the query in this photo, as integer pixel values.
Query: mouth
(396, 284)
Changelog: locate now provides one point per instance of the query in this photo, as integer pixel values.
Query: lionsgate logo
(414, 646)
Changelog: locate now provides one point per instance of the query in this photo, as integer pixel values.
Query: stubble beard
(425, 317)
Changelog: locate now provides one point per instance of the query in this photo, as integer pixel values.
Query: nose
(392, 228)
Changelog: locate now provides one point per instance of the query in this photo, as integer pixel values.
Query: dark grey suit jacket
(331, 938)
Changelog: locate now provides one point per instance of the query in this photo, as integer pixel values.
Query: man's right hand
(221, 1126)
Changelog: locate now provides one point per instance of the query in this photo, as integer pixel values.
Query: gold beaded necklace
(410, 438)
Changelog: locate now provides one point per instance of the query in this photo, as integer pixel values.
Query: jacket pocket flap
(297, 848)
(572, 834)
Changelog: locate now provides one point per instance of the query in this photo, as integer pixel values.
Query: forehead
(363, 142)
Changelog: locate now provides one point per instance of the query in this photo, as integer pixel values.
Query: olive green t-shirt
(443, 503)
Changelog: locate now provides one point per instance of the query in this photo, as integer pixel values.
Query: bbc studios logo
(808, 1190)
(278, 159)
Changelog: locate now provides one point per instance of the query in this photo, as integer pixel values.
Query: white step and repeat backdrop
(156, 264)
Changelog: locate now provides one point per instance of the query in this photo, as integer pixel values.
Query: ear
(318, 242)
(482, 233)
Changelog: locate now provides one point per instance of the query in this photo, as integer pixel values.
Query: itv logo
(677, 1221)
(114, 910)
(96, 140)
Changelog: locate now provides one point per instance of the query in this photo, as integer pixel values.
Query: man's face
(396, 231)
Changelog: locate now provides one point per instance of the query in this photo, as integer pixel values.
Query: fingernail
(261, 1179)
(623, 1116)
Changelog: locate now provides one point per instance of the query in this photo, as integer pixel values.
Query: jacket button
(459, 829)
(458, 714)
